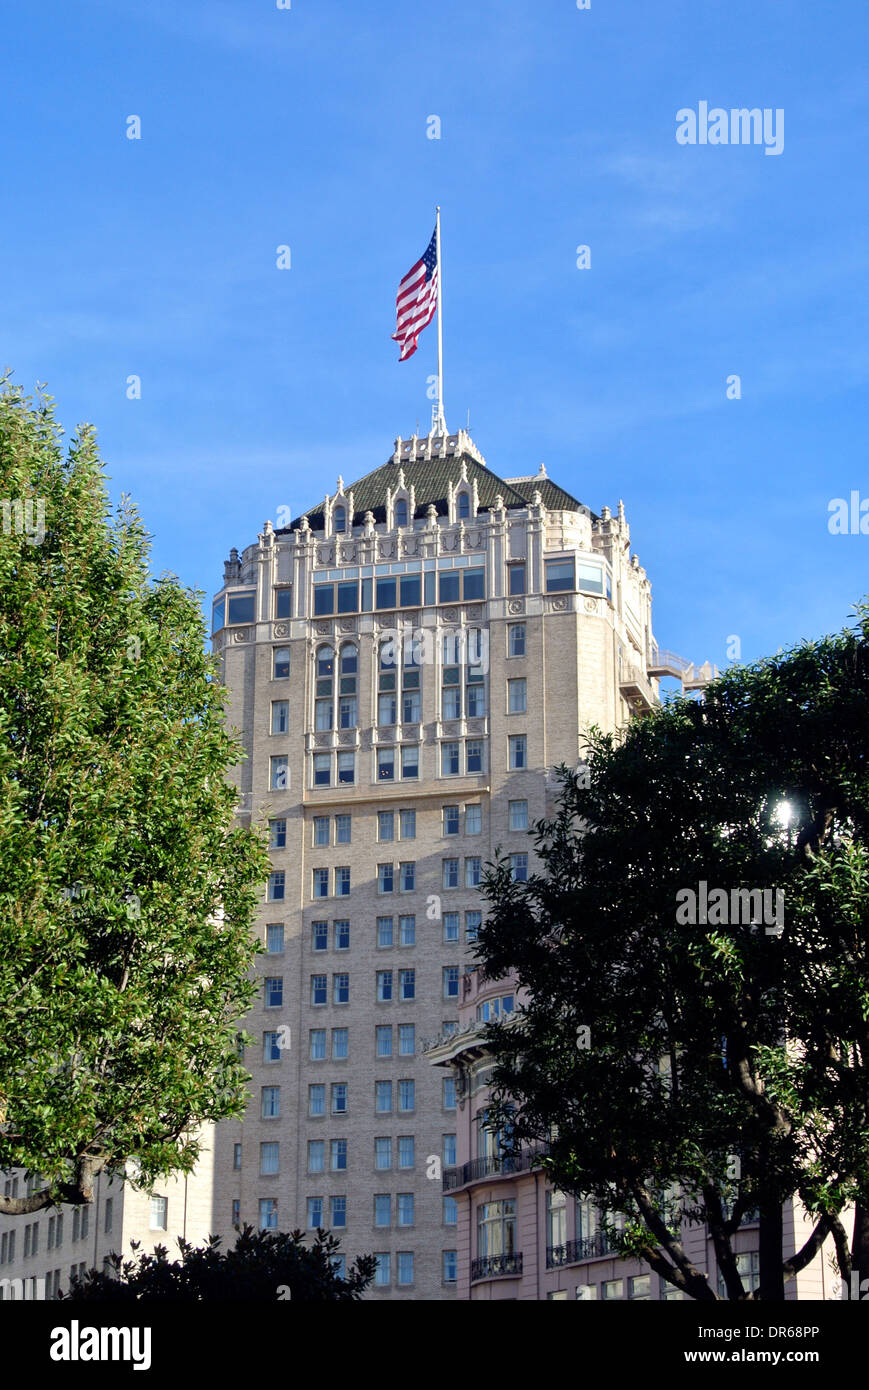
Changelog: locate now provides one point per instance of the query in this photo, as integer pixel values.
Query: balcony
(573, 1251)
(493, 1166)
(497, 1267)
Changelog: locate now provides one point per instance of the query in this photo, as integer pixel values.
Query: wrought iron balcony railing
(493, 1165)
(573, 1251)
(496, 1266)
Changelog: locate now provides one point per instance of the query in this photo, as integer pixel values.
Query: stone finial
(543, 473)
(621, 510)
(605, 513)
(431, 514)
(499, 502)
(304, 524)
(369, 523)
(536, 497)
(401, 482)
(340, 486)
(267, 527)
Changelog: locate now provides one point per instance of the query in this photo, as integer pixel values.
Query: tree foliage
(126, 891)
(727, 1062)
(263, 1265)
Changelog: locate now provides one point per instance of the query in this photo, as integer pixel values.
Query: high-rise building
(407, 662)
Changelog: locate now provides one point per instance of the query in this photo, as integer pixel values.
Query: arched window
(401, 512)
(347, 707)
(387, 694)
(339, 519)
(324, 689)
(464, 506)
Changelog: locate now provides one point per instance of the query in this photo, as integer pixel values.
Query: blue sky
(307, 127)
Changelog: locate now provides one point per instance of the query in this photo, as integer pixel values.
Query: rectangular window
(449, 759)
(348, 596)
(319, 991)
(449, 1093)
(346, 767)
(452, 702)
(518, 815)
(274, 991)
(320, 888)
(473, 921)
(277, 886)
(385, 878)
(407, 930)
(339, 1098)
(159, 1212)
(473, 584)
(407, 877)
(408, 825)
(449, 1150)
(320, 936)
(383, 1040)
(450, 873)
(406, 1039)
(405, 1152)
(387, 709)
(451, 926)
(386, 825)
(451, 820)
(342, 881)
(519, 868)
(518, 751)
(269, 1159)
(406, 1096)
(283, 603)
(338, 1155)
(383, 1153)
(317, 1099)
(382, 1275)
(338, 1209)
(271, 1048)
(451, 1267)
(613, 1288)
(590, 578)
(382, 1209)
(316, 1155)
(317, 1037)
(315, 1213)
(451, 1211)
(473, 819)
(407, 984)
(277, 834)
(275, 938)
(385, 593)
(384, 931)
(342, 830)
(410, 761)
(516, 578)
(340, 1044)
(516, 639)
(448, 586)
(280, 716)
(341, 989)
(322, 769)
(342, 936)
(383, 1097)
(384, 986)
(385, 764)
(323, 715)
(236, 1156)
(517, 696)
(473, 872)
(405, 1207)
(405, 1267)
(474, 754)
(278, 774)
(280, 663)
(640, 1288)
(241, 608)
(451, 981)
(559, 576)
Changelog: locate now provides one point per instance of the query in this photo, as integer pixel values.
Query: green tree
(126, 891)
(263, 1265)
(724, 1066)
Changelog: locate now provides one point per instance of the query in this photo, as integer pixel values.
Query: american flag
(417, 300)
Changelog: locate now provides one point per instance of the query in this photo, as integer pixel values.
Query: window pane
(241, 608)
(559, 575)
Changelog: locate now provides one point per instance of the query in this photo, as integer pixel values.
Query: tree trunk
(772, 1284)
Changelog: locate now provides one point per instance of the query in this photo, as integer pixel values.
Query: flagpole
(441, 419)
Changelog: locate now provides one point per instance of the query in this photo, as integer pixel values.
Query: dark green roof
(429, 479)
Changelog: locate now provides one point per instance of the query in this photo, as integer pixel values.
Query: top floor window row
(407, 585)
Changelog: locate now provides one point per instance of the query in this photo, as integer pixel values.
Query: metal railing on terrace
(493, 1165)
